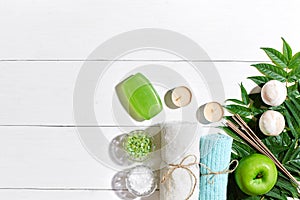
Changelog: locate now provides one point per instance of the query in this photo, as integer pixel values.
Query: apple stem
(259, 176)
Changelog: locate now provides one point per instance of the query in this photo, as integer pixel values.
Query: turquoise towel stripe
(215, 150)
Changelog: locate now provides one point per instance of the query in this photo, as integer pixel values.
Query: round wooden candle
(210, 112)
(178, 97)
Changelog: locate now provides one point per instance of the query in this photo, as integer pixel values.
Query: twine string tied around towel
(186, 166)
(225, 171)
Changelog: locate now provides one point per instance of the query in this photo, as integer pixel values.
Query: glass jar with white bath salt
(141, 181)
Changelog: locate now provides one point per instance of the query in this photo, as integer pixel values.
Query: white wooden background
(43, 44)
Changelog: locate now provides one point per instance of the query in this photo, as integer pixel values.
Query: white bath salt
(141, 181)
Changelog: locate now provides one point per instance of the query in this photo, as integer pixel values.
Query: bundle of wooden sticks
(245, 132)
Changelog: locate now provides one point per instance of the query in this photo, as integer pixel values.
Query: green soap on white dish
(138, 97)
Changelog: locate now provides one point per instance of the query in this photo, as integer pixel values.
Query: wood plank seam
(64, 189)
(129, 60)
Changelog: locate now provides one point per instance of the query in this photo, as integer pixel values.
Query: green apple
(256, 174)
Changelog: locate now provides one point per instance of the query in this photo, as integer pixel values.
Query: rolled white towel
(178, 140)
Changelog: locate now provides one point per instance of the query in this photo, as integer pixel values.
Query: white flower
(271, 123)
(273, 93)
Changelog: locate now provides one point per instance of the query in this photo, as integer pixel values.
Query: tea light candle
(178, 97)
(210, 112)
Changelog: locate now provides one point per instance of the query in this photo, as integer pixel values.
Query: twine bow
(182, 165)
(225, 171)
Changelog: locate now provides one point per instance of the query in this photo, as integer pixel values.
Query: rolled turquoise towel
(215, 151)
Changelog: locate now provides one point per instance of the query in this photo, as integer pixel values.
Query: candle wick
(178, 98)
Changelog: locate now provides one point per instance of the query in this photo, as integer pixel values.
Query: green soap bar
(138, 97)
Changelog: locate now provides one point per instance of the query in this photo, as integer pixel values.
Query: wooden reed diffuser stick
(251, 133)
(251, 138)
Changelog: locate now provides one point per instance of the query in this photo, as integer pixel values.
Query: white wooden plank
(69, 29)
(64, 195)
(41, 93)
(48, 157)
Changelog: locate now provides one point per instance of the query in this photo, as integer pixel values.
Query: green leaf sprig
(284, 67)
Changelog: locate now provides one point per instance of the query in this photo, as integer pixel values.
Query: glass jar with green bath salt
(138, 145)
